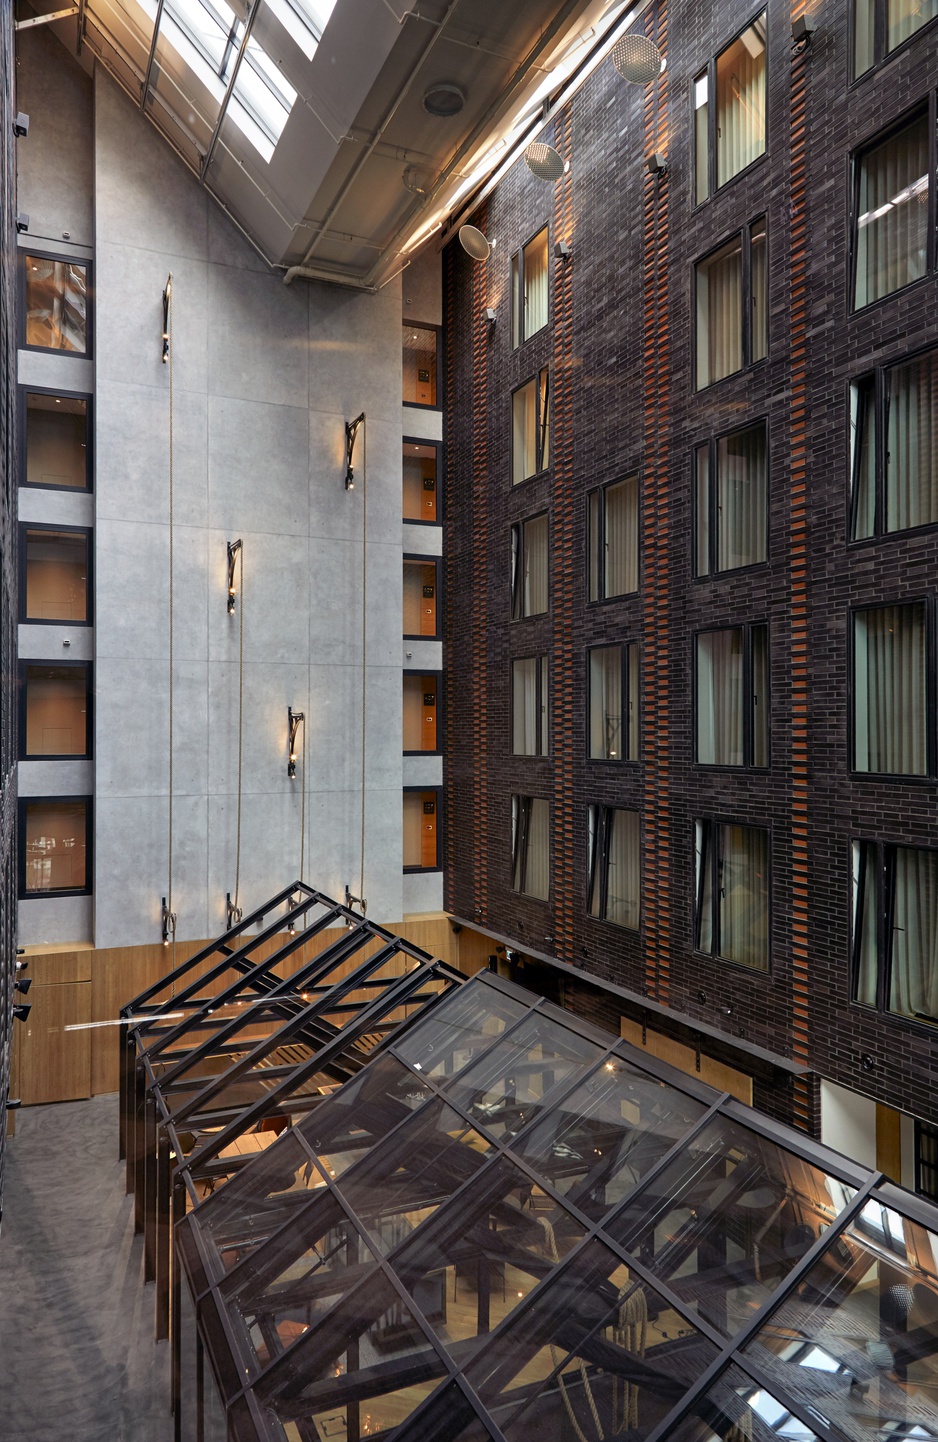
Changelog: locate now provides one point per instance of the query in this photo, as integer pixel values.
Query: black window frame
(925, 106)
(437, 563)
(626, 678)
(438, 331)
(926, 1186)
(748, 697)
(88, 533)
(23, 664)
(600, 579)
(438, 447)
(880, 53)
(871, 387)
(517, 302)
(927, 776)
(710, 823)
(710, 69)
(520, 838)
(438, 794)
(542, 427)
(713, 480)
(23, 803)
(65, 257)
(744, 234)
(542, 702)
(438, 679)
(600, 832)
(517, 553)
(29, 390)
(883, 854)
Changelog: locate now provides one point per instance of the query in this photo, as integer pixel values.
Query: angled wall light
(21, 1010)
(637, 59)
(167, 296)
(232, 913)
(23, 986)
(293, 725)
(234, 551)
(656, 165)
(168, 924)
(351, 436)
(474, 242)
(544, 161)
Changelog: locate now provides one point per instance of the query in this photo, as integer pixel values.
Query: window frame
(926, 777)
(925, 106)
(516, 577)
(438, 447)
(438, 679)
(709, 822)
(63, 257)
(710, 70)
(23, 663)
(744, 234)
(438, 794)
(880, 54)
(88, 533)
(601, 491)
(600, 824)
(884, 853)
(29, 390)
(23, 803)
(878, 376)
(541, 429)
(518, 338)
(713, 480)
(437, 563)
(922, 1126)
(542, 703)
(626, 679)
(438, 331)
(520, 838)
(748, 699)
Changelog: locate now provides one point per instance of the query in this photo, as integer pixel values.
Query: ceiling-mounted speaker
(416, 180)
(544, 161)
(474, 242)
(637, 59)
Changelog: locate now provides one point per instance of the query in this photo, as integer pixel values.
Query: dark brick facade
(620, 346)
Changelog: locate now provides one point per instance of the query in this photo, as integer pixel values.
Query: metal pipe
(47, 19)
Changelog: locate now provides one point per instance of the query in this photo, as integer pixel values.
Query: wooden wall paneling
(55, 1064)
(684, 1058)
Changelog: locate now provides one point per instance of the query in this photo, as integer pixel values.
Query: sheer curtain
(741, 498)
(863, 457)
(720, 697)
(866, 905)
(912, 444)
(913, 987)
(535, 566)
(524, 712)
(904, 17)
(621, 570)
(889, 687)
(606, 704)
(892, 218)
(623, 885)
(741, 102)
(744, 896)
(537, 858)
(719, 314)
(759, 297)
(535, 285)
(524, 433)
(633, 675)
(702, 535)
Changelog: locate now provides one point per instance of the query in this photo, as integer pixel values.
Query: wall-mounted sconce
(167, 924)
(802, 30)
(21, 124)
(22, 1009)
(563, 250)
(656, 165)
(544, 161)
(351, 436)
(22, 221)
(232, 912)
(234, 551)
(23, 986)
(167, 296)
(490, 315)
(474, 242)
(637, 59)
(352, 901)
(293, 725)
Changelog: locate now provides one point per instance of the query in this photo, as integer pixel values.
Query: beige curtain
(623, 886)
(535, 284)
(744, 896)
(719, 314)
(889, 687)
(621, 538)
(863, 457)
(720, 697)
(912, 444)
(524, 433)
(904, 17)
(525, 722)
(892, 220)
(741, 102)
(606, 738)
(741, 499)
(866, 905)
(537, 860)
(914, 964)
(535, 566)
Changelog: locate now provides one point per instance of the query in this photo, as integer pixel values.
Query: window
(55, 852)
(732, 920)
(529, 568)
(894, 448)
(55, 575)
(893, 21)
(730, 135)
(55, 711)
(529, 289)
(613, 540)
(529, 680)
(890, 214)
(305, 20)
(57, 438)
(530, 846)
(895, 929)
(56, 307)
(732, 696)
(890, 732)
(732, 320)
(926, 1160)
(731, 501)
(613, 703)
(421, 615)
(421, 830)
(420, 365)
(421, 711)
(615, 866)
(421, 474)
(530, 428)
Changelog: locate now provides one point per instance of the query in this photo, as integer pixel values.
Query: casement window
(55, 709)
(613, 703)
(732, 911)
(926, 1160)
(891, 732)
(421, 480)
(894, 448)
(881, 26)
(56, 309)
(895, 929)
(891, 233)
(55, 570)
(56, 441)
(732, 316)
(420, 365)
(731, 492)
(421, 589)
(612, 518)
(55, 846)
(732, 684)
(421, 718)
(529, 568)
(529, 289)
(530, 428)
(529, 706)
(530, 846)
(729, 110)
(421, 830)
(615, 868)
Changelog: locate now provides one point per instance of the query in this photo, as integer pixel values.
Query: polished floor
(77, 1356)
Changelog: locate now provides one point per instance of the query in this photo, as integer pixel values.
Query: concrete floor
(77, 1356)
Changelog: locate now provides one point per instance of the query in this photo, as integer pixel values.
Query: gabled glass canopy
(512, 1226)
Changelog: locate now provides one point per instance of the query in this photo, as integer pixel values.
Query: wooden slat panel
(55, 1064)
(684, 1058)
(53, 967)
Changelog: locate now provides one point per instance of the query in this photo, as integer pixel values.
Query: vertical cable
(303, 798)
(169, 336)
(240, 722)
(361, 875)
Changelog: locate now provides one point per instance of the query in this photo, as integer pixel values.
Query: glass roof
(512, 1226)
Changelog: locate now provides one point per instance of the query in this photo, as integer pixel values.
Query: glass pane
(459, 1030)
(701, 138)
(516, 317)
(736, 1409)
(720, 314)
(524, 433)
(866, 904)
(913, 971)
(56, 711)
(863, 457)
(56, 304)
(56, 576)
(740, 86)
(759, 636)
(727, 1220)
(55, 844)
(420, 831)
(419, 482)
(702, 480)
(904, 17)
(419, 365)
(595, 545)
(741, 498)
(525, 714)
(346, 1125)
(720, 697)
(743, 895)
(621, 538)
(256, 1203)
(449, 1418)
(892, 213)
(606, 739)
(598, 1143)
(535, 284)
(890, 690)
(624, 869)
(419, 598)
(56, 441)
(759, 315)
(420, 712)
(535, 873)
(912, 444)
(864, 29)
(535, 566)
(858, 1340)
(633, 684)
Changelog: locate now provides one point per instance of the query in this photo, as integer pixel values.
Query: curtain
(606, 739)
(866, 904)
(524, 433)
(594, 515)
(632, 747)
(741, 102)
(744, 896)
(889, 687)
(904, 17)
(759, 724)
(535, 566)
(621, 538)
(741, 499)
(542, 460)
(758, 283)
(720, 697)
(719, 314)
(702, 535)
(525, 722)
(544, 712)
(516, 299)
(863, 457)
(704, 856)
(913, 989)
(892, 219)
(623, 886)
(595, 866)
(864, 24)
(912, 444)
(537, 857)
(701, 138)
(535, 285)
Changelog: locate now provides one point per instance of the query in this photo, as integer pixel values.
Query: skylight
(305, 20)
